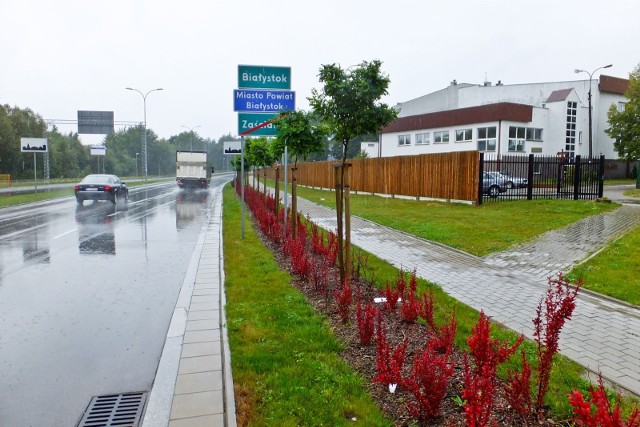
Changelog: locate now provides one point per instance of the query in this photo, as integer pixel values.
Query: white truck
(192, 170)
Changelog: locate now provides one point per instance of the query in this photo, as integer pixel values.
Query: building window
(516, 138)
(423, 138)
(464, 135)
(621, 106)
(404, 139)
(534, 134)
(570, 138)
(487, 139)
(441, 137)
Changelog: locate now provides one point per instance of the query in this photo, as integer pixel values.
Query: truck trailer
(192, 170)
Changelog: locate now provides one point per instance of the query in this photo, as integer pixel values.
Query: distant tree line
(69, 158)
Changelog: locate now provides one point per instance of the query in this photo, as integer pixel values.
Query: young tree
(261, 156)
(297, 132)
(349, 103)
(625, 124)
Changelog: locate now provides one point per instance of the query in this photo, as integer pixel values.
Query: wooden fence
(448, 176)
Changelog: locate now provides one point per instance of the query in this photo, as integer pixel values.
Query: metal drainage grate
(121, 410)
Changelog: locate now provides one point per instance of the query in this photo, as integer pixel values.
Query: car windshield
(97, 179)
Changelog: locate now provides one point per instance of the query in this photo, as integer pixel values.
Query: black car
(101, 187)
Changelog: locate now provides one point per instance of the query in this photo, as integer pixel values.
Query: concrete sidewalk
(194, 385)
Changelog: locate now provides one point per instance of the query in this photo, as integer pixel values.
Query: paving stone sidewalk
(603, 335)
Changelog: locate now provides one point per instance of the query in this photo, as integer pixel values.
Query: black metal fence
(540, 177)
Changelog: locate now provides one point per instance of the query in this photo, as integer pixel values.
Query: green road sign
(247, 121)
(263, 77)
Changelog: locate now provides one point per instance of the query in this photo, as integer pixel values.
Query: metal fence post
(480, 178)
(530, 178)
(601, 177)
(577, 173)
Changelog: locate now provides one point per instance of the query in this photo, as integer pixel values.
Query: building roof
(613, 84)
(463, 116)
(559, 95)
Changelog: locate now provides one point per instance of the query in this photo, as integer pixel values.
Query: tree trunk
(347, 221)
(294, 202)
(339, 177)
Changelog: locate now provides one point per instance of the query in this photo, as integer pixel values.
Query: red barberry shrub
(401, 282)
(409, 307)
(388, 364)
(391, 297)
(598, 411)
(445, 335)
(428, 381)
(300, 263)
(366, 317)
(319, 274)
(480, 382)
(552, 313)
(518, 388)
(413, 283)
(425, 310)
(344, 299)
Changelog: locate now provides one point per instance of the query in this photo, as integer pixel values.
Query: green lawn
(477, 230)
(615, 271)
(286, 365)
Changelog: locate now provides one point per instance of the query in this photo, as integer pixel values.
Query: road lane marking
(64, 234)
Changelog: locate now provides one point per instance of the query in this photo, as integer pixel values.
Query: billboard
(34, 145)
(232, 148)
(95, 122)
(98, 150)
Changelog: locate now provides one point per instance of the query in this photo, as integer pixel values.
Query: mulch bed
(363, 358)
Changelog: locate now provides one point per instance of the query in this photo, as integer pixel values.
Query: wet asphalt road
(86, 297)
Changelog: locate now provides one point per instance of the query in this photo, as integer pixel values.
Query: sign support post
(286, 181)
(35, 173)
(242, 180)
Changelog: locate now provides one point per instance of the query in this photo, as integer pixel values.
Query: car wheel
(114, 198)
(79, 200)
(510, 185)
(494, 190)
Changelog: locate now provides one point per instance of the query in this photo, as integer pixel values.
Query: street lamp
(191, 130)
(144, 102)
(137, 154)
(590, 119)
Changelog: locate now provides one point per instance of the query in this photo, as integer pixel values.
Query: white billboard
(98, 150)
(34, 145)
(232, 148)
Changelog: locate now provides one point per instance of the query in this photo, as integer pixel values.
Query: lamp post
(137, 154)
(191, 130)
(590, 113)
(144, 102)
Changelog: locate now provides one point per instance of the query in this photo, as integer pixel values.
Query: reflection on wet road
(86, 297)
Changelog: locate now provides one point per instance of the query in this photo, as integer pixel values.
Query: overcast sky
(58, 57)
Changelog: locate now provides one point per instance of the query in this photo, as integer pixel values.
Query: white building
(370, 148)
(538, 118)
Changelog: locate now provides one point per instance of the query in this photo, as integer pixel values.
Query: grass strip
(17, 199)
(478, 230)
(285, 360)
(614, 271)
